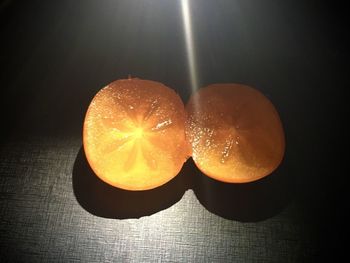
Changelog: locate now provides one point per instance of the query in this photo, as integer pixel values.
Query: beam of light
(191, 54)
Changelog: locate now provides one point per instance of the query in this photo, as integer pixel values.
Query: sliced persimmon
(235, 133)
(134, 134)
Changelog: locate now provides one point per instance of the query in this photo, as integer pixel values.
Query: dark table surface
(55, 55)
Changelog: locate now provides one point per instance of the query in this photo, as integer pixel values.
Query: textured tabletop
(58, 210)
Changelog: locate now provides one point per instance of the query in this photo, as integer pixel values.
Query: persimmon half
(134, 134)
(235, 132)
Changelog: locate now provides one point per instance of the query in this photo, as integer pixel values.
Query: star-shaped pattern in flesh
(139, 132)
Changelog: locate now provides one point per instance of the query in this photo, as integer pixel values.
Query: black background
(55, 56)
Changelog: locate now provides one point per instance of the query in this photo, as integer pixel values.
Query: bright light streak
(191, 56)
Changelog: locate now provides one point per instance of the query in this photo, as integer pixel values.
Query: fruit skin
(134, 134)
(235, 133)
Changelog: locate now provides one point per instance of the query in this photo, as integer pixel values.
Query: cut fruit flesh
(134, 134)
(235, 133)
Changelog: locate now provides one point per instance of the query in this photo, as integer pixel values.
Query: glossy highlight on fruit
(235, 133)
(134, 134)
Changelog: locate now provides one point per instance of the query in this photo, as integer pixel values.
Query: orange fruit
(134, 134)
(235, 133)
